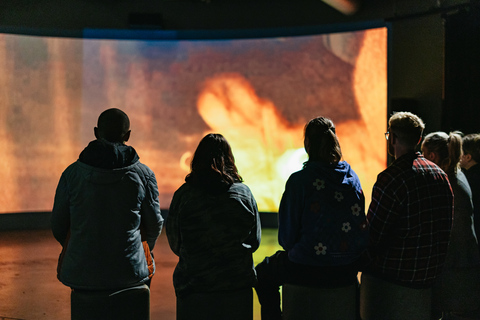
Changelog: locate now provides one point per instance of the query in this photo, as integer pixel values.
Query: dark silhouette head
(213, 162)
(471, 146)
(113, 125)
(471, 150)
(321, 142)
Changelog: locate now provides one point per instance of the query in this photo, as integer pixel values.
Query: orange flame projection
(256, 131)
(260, 136)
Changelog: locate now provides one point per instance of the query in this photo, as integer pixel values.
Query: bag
(148, 256)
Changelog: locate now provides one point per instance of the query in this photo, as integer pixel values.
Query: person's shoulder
(347, 168)
(473, 172)
(462, 182)
(240, 190)
(299, 175)
(138, 166)
(184, 188)
(73, 168)
(239, 187)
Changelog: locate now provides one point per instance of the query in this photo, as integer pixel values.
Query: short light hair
(471, 146)
(407, 127)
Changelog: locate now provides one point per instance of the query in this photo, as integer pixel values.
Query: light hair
(407, 127)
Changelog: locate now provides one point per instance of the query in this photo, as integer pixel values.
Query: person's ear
(95, 131)
(126, 136)
(430, 156)
(467, 157)
(393, 138)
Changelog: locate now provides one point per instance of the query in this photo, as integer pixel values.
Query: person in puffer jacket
(106, 213)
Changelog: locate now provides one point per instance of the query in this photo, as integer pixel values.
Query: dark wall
(201, 14)
(462, 71)
(415, 73)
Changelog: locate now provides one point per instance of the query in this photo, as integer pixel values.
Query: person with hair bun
(213, 226)
(457, 291)
(321, 223)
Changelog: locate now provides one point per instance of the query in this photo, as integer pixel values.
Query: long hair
(213, 163)
(321, 142)
(448, 148)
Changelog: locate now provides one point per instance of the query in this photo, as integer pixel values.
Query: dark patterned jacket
(214, 235)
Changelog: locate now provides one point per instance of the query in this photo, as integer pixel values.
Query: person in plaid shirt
(409, 222)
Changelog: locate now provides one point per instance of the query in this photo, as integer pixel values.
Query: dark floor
(29, 289)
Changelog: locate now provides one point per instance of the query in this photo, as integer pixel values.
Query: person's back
(411, 208)
(321, 225)
(457, 289)
(329, 229)
(470, 163)
(106, 203)
(214, 235)
(409, 223)
(213, 226)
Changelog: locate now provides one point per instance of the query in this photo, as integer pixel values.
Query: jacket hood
(107, 155)
(340, 174)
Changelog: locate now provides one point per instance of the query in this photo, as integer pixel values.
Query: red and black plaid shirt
(409, 221)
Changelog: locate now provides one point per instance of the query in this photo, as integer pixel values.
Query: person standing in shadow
(213, 226)
(470, 163)
(409, 223)
(106, 213)
(456, 292)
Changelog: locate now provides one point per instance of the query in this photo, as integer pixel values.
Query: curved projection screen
(258, 93)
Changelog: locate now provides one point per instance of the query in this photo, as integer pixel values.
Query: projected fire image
(258, 93)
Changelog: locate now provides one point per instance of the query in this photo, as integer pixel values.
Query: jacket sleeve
(256, 233)
(173, 224)
(60, 220)
(152, 221)
(289, 216)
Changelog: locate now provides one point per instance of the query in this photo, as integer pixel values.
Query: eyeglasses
(387, 134)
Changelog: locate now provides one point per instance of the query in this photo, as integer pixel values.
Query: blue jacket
(105, 204)
(322, 215)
